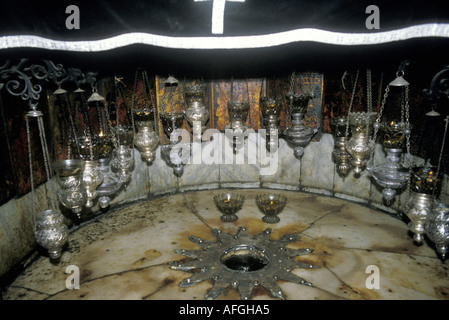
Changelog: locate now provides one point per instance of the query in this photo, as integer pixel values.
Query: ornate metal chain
(43, 140)
(288, 122)
(133, 102)
(441, 155)
(351, 103)
(410, 162)
(30, 160)
(108, 119)
(87, 132)
(153, 106)
(407, 118)
(72, 126)
(377, 124)
(369, 95)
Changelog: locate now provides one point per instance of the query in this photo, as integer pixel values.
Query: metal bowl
(229, 204)
(271, 205)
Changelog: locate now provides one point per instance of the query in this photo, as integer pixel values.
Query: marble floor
(127, 253)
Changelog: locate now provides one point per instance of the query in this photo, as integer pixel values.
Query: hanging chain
(404, 93)
(407, 118)
(379, 116)
(133, 101)
(292, 82)
(153, 106)
(100, 117)
(410, 162)
(66, 127)
(292, 91)
(351, 103)
(72, 125)
(43, 139)
(108, 119)
(30, 160)
(441, 156)
(87, 132)
(369, 107)
(369, 95)
(377, 124)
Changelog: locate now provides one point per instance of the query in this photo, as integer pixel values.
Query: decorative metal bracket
(438, 86)
(17, 79)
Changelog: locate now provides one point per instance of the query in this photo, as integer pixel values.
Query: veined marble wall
(315, 173)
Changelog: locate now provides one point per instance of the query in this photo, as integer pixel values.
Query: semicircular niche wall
(314, 173)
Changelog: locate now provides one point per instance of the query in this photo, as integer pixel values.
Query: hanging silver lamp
(51, 232)
(196, 113)
(437, 228)
(360, 145)
(298, 135)
(340, 156)
(392, 175)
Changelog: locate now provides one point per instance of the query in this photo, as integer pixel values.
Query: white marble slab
(125, 254)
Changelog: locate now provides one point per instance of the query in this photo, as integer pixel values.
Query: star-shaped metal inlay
(243, 262)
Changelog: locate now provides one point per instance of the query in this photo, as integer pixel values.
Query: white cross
(218, 8)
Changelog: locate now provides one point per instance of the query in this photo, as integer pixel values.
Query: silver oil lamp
(298, 135)
(145, 119)
(111, 183)
(51, 232)
(196, 114)
(424, 185)
(72, 193)
(237, 130)
(171, 121)
(146, 140)
(360, 145)
(92, 176)
(122, 159)
(106, 143)
(437, 228)
(340, 156)
(271, 108)
(392, 175)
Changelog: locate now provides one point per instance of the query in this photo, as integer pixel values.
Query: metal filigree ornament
(243, 262)
(297, 135)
